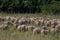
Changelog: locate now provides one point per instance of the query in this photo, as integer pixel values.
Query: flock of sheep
(46, 25)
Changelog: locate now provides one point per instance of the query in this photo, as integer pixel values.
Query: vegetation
(30, 6)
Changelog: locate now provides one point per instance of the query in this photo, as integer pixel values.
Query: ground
(11, 34)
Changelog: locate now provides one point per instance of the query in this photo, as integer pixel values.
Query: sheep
(15, 26)
(28, 20)
(54, 22)
(16, 21)
(44, 17)
(44, 30)
(8, 22)
(2, 19)
(53, 26)
(48, 23)
(53, 30)
(58, 26)
(13, 19)
(21, 28)
(33, 19)
(36, 31)
(58, 21)
(22, 21)
(37, 22)
(42, 21)
(8, 18)
(3, 26)
(30, 28)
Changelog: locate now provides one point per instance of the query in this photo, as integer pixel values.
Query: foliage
(30, 6)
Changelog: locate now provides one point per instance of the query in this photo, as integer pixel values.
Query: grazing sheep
(30, 28)
(21, 28)
(8, 18)
(36, 31)
(44, 30)
(58, 26)
(44, 17)
(53, 30)
(8, 22)
(54, 22)
(2, 19)
(15, 26)
(33, 19)
(44, 27)
(16, 21)
(42, 21)
(53, 26)
(28, 20)
(58, 21)
(22, 21)
(38, 22)
(3, 26)
(48, 23)
(13, 19)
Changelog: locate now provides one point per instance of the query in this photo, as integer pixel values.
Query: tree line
(30, 6)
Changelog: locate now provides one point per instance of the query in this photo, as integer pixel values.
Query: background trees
(30, 6)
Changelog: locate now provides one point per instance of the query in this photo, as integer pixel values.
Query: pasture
(12, 34)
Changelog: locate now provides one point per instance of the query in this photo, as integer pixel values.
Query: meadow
(11, 34)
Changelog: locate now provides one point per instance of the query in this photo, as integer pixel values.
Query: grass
(11, 34)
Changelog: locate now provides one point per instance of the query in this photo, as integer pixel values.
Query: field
(11, 34)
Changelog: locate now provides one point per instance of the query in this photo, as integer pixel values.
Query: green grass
(11, 34)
